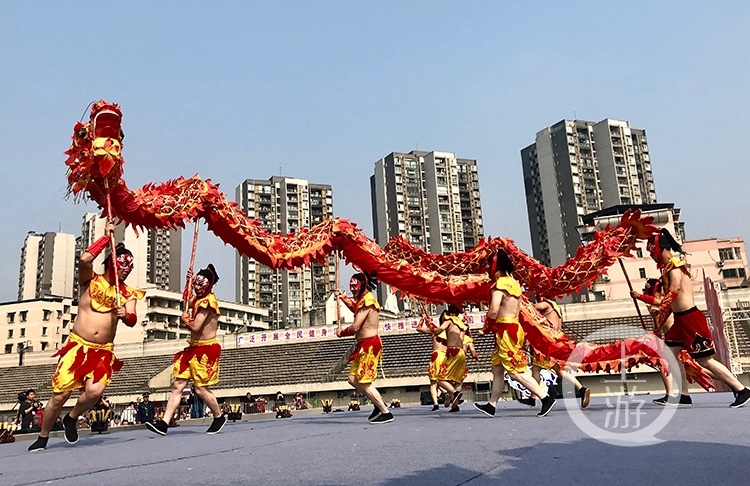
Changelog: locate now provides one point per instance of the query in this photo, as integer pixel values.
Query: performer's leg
(175, 398)
(52, 411)
(528, 381)
(448, 387)
(374, 395)
(88, 398)
(209, 399)
(683, 374)
(721, 372)
(498, 383)
(433, 392)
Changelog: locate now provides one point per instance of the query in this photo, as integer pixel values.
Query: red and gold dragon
(95, 169)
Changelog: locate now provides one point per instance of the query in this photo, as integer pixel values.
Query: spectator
(27, 409)
(279, 401)
(145, 412)
(116, 422)
(249, 403)
(128, 415)
(299, 402)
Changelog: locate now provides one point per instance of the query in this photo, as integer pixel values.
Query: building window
(23, 332)
(45, 344)
(22, 316)
(10, 333)
(8, 348)
(733, 273)
(46, 315)
(642, 272)
(726, 254)
(11, 317)
(639, 252)
(44, 331)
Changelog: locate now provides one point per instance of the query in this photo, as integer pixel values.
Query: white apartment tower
(285, 205)
(48, 263)
(578, 167)
(429, 198)
(157, 253)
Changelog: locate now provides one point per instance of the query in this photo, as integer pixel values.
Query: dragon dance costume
(369, 351)
(200, 360)
(81, 359)
(690, 329)
(509, 336)
(437, 369)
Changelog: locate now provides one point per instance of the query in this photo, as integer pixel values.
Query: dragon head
(95, 156)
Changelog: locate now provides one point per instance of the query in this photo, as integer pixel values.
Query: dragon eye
(82, 133)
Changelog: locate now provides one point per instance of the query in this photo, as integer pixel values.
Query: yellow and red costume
(81, 359)
(104, 296)
(369, 351)
(455, 357)
(437, 369)
(509, 336)
(200, 360)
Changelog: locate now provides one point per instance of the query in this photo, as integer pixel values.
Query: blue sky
(321, 90)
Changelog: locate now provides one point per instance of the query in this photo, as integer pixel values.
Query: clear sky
(321, 90)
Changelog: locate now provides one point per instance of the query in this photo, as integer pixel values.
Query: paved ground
(708, 443)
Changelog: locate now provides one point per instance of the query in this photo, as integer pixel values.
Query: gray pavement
(706, 444)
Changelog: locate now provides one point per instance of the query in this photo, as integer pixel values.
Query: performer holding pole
(630, 286)
(86, 361)
(200, 360)
(367, 354)
(690, 329)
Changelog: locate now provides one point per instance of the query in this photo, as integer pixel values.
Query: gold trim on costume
(367, 300)
(208, 302)
(509, 284)
(104, 296)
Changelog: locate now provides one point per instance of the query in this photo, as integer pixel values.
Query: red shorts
(690, 331)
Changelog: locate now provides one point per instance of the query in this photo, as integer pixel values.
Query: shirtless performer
(552, 314)
(437, 360)
(86, 361)
(502, 319)
(690, 329)
(366, 355)
(455, 357)
(200, 360)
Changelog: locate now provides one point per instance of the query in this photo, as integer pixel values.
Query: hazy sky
(321, 90)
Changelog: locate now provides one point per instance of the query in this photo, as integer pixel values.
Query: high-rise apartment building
(577, 167)
(157, 253)
(48, 263)
(285, 205)
(429, 198)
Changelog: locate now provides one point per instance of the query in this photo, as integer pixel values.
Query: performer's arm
(359, 319)
(196, 323)
(444, 325)
(126, 313)
(349, 302)
(86, 261)
(496, 298)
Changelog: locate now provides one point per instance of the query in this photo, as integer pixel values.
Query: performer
(86, 361)
(366, 355)
(690, 329)
(200, 360)
(502, 319)
(455, 357)
(436, 370)
(553, 316)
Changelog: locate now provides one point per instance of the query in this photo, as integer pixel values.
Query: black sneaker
(456, 400)
(383, 418)
(685, 401)
(548, 403)
(741, 398)
(529, 402)
(71, 432)
(667, 400)
(455, 409)
(39, 444)
(216, 425)
(585, 395)
(487, 409)
(435, 408)
(375, 414)
(160, 427)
